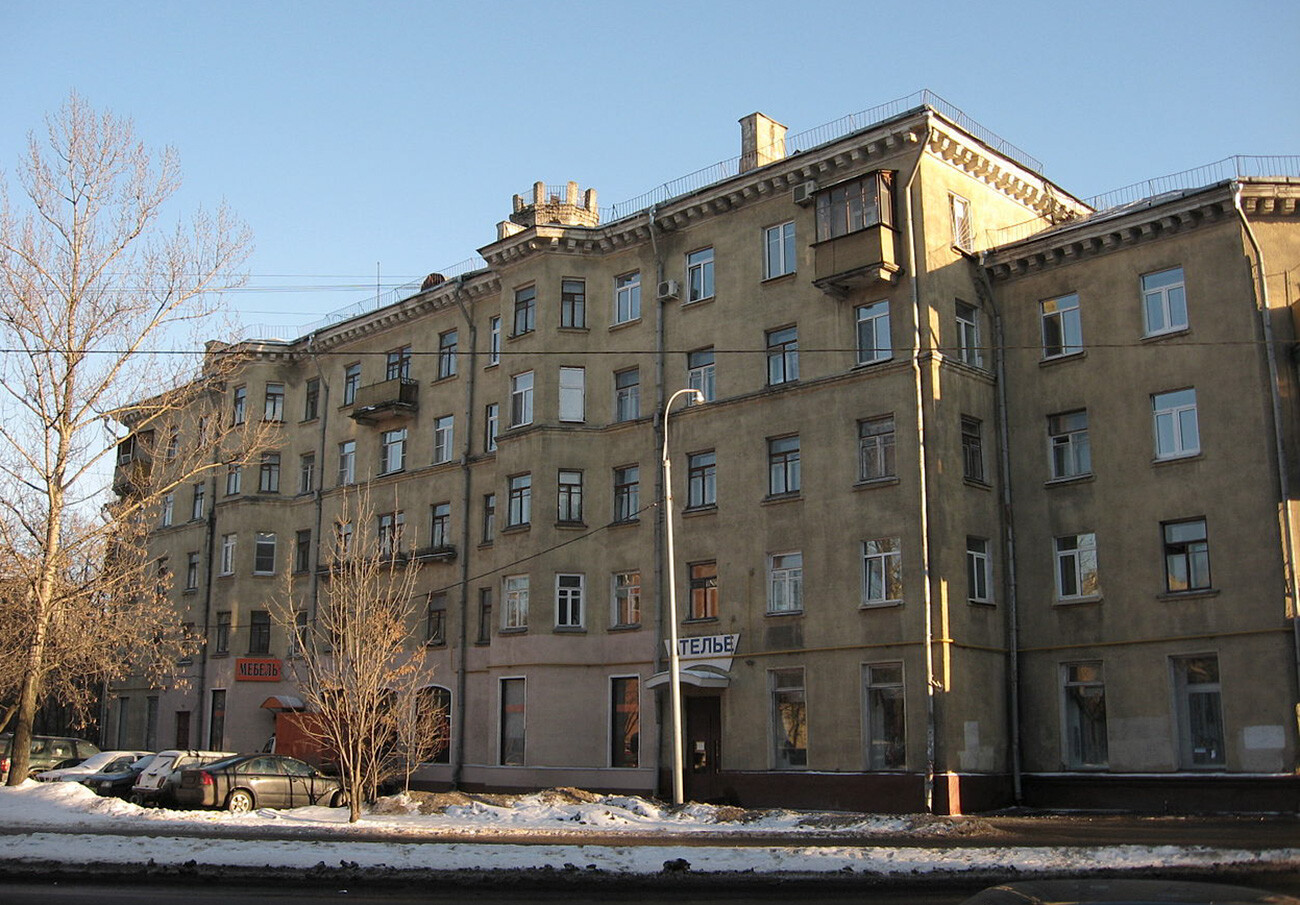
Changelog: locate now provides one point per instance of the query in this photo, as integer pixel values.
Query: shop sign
(706, 650)
(257, 670)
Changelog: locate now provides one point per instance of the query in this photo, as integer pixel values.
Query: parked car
(249, 781)
(1124, 892)
(157, 784)
(104, 761)
(117, 783)
(47, 752)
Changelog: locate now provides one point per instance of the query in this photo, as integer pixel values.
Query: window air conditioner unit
(669, 289)
(803, 193)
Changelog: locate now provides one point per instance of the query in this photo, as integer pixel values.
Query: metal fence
(1236, 167)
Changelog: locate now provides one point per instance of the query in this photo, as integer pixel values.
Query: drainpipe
(1009, 533)
(660, 343)
(210, 541)
(318, 491)
(928, 596)
(1283, 482)
(458, 724)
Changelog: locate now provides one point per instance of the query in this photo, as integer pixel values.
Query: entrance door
(703, 748)
(182, 729)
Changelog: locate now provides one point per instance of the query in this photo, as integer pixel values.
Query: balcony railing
(398, 396)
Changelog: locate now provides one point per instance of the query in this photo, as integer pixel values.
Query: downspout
(210, 539)
(927, 594)
(661, 628)
(318, 491)
(1283, 482)
(1009, 533)
(458, 658)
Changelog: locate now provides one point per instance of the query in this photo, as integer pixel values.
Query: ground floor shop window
(1200, 711)
(625, 721)
(885, 717)
(512, 722)
(1084, 711)
(789, 719)
(433, 705)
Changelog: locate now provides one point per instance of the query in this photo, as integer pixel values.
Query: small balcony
(134, 464)
(395, 398)
(857, 259)
(444, 553)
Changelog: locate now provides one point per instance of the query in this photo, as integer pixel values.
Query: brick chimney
(762, 141)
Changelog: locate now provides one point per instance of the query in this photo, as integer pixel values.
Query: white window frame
(1176, 423)
(347, 462)
(779, 250)
(514, 602)
(969, 350)
(229, 544)
(1168, 298)
(448, 342)
(627, 395)
(573, 304)
(494, 340)
(392, 451)
(573, 394)
(979, 571)
(168, 509)
(491, 426)
(1075, 557)
(699, 275)
(625, 598)
(882, 572)
(1062, 326)
(627, 297)
(263, 540)
(570, 600)
(782, 355)
(444, 439)
(877, 446)
(785, 583)
(700, 373)
(521, 399)
(519, 500)
(1080, 681)
(1069, 449)
(963, 230)
(879, 683)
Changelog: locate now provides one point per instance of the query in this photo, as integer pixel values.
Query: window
(568, 601)
(168, 509)
(1177, 431)
(269, 475)
(521, 399)
(573, 304)
(196, 505)
(273, 410)
(627, 491)
(440, 525)
(1068, 445)
(782, 355)
(514, 602)
(963, 234)
(306, 472)
(626, 604)
(968, 335)
(625, 722)
(885, 720)
(520, 498)
(972, 449)
(785, 583)
(789, 719)
(627, 394)
(1076, 567)
(221, 643)
(264, 554)
(311, 399)
(234, 478)
(240, 404)
(342, 539)
(389, 527)
(489, 517)
(573, 394)
(882, 571)
(569, 493)
(1200, 711)
(704, 590)
(701, 480)
(173, 448)
(699, 373)
(351, 382)
(259, 632)
(1084, 706)
(298, 637)
(302, 551)
(525, 310)
(228, 542)
(392, 449)
(851, 206)
(874, 343)
(1164, 301)
(192, 571)
(397, 364)
(491, 426)
(447, 343)
(778, 250)
(435, 621)
(484, 616)
(1187, 556)
(627, 297)
(1062, 330)
(979, 578)
(494, 341)
(876, 448)
(348, 462)
(512, 722)
(443, 438)
(783, 466)
(699, 275)
(217, 722)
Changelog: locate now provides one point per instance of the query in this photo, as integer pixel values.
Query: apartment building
(943, 525)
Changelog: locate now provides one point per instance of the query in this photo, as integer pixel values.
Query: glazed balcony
(395, 398)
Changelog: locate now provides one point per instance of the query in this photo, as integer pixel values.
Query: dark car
(47, 751)
(249, 781)
(116, 781)
(1124, 892)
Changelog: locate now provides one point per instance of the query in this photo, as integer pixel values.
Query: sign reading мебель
(257, 670)
(706, 650)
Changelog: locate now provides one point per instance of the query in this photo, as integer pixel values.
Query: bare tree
(358, 667)
(99, 305)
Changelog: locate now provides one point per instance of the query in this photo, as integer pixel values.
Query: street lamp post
(674, 662)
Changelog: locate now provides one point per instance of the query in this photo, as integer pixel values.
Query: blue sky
(388, 137)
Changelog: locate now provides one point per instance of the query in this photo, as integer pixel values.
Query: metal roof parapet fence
(1239, 166)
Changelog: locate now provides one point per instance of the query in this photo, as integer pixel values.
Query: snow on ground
(403, 832)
